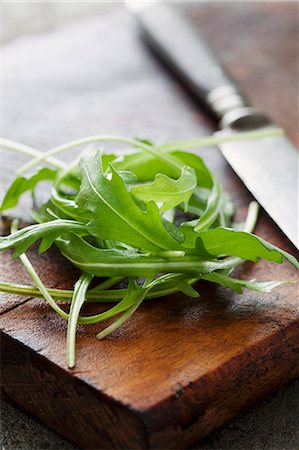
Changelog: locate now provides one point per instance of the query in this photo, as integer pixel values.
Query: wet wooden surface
(180, 367)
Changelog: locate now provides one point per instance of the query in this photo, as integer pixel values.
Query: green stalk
(106, 284)
(183, 144)
(251, 218)
(219, 138)
(92, 139)
(41, 287)
(78, 299)
(120, 321)
(26, 150)
(208, 218)
(140, 293)
(36, 280)
(93, 296)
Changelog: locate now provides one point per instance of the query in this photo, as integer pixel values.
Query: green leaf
(198, 202)
(116, 215)
(168, 191)
(193, 244)
(126, 263)
(208, 204)
(146, 166)
(42, 214)
(63, 200)
(22, 184)
(68, 208)
(119, 234)
(212, 209)
(238, 285)
(107, 159)
(22, 239)
(128, 177)
(173, 230)
(227, 210)
(224, 241)
(203, 174)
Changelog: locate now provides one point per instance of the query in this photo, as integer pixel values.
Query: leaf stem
(219, 138)
(78, 299)
(89, 140)
(26, 150)
(106, 284)
(251, 219)
(93, 296)
(125, 316)
(37, 281)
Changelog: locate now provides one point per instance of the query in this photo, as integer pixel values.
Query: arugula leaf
(68, 208)
(238, 285)
(128, 177)
(146, 166)
(47, 212)
(227, 211)
(193, 243)
(168, 191)
(22, 239)
(129, 263)
(116, 215)
(204, 177)
(107, 159)
(198, 203)
(22, 184)
(173, 230)
(108, 231)
(224, 241)
(212, 210)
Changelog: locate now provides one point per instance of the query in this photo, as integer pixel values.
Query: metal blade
(269, 169)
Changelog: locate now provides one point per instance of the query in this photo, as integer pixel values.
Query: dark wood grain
(180, 367)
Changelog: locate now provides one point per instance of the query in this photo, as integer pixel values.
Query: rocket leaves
(22, 184)
(22, 239)
(239, 285)
(116, 215)
(219, 242)
(167, 191)
(222, 241)
(155, 219)
(105, 262)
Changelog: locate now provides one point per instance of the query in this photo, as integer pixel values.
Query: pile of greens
(152, 217)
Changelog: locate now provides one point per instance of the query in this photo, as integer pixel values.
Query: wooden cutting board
(180, 367)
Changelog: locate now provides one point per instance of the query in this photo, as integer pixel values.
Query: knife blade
(268, 167)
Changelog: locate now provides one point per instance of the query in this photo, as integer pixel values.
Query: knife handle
(182, 48)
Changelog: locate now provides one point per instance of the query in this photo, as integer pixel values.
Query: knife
(268, 167)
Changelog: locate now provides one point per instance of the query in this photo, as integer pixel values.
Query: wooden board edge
(82, 415)
(200, 410)
(32, 382)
